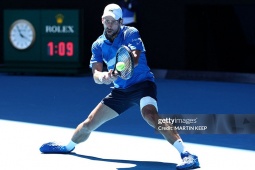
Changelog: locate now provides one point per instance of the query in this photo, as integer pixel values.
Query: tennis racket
(124, 55)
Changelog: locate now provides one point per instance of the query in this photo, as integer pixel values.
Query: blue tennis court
(39, 109)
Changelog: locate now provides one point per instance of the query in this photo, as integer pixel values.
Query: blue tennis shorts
(121, 100)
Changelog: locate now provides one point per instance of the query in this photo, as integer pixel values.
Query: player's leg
(110, 107)
(150, 114)
(97, 117)
(149, 110)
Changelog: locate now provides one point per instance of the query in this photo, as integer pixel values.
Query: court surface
(39, 109)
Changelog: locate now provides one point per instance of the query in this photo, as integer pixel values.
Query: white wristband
(100, 77)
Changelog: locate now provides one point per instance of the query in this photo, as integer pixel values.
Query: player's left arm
(136, 55)
(135, 44)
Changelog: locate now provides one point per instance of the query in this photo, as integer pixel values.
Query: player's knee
(150, 114)
(147, 101)
(149, 108)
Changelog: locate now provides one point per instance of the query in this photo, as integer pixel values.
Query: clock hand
(22, 36)
(25, 37)
(19, 31)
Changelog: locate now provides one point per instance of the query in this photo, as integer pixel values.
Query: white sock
(70, 145)
(179, 146)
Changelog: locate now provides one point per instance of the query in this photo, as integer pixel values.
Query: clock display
(22, 34)
(61, 49)
(47, 40)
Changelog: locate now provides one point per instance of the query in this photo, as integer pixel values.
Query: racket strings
(125, 56)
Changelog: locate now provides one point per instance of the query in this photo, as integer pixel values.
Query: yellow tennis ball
(120, 66)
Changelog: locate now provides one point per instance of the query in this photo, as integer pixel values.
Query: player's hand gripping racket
(124, 65)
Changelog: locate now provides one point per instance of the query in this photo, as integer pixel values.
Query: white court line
(20, 144)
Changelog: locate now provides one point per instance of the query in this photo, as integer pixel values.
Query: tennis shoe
(189, 161)
(52, 147)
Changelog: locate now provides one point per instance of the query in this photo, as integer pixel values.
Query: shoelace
(188, 159)
(57, 146)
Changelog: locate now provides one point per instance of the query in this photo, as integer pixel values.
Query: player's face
(111, 26)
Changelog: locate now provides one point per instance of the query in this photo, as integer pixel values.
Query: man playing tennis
(139, 90)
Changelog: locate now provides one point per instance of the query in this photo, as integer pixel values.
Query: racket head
(125, 55)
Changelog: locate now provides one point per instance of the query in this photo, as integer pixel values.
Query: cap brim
(110, 14)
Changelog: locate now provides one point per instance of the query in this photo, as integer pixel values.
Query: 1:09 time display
(60, 48)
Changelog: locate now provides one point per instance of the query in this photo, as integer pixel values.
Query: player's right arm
(97, 71)
(100, 76)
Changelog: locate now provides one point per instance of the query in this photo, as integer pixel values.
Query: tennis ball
(120, 66)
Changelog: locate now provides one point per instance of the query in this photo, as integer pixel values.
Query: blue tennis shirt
(104, 51)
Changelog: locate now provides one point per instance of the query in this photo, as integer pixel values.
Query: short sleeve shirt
(104, 51)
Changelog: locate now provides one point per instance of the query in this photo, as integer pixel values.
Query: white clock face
(22, 34)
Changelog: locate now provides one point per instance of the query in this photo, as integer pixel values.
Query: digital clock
(60, 48)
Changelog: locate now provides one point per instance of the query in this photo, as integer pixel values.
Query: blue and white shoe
(189, 161)
(52, 147)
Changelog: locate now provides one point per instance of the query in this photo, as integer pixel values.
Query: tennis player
(139, 90)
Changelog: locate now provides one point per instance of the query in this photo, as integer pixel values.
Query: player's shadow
(139, 165)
